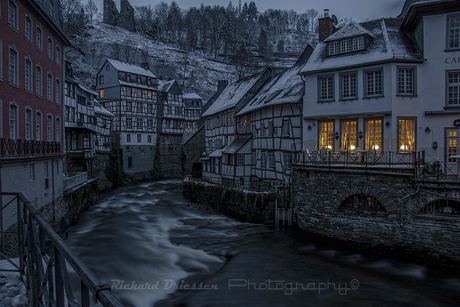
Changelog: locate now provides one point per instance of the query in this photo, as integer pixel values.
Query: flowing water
(154, 248)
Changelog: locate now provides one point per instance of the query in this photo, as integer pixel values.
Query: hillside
(193, 70)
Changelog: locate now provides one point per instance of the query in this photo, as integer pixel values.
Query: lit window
(453, 88)
(349, 139)
(406, 81)
(453, 32)
(326, 88)
(13, 67)
(373, 83)
(406, 135)
(13, 122)
(348, 86)
(101, 93)
(373, 134)
(326, 135)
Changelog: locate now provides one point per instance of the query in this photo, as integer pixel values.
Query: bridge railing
(44, 259)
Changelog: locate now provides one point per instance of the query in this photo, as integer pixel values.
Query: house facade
(386, 88)
(193, 104)
(275, 114)
(130, 93)
(221, 125)
(31, 96)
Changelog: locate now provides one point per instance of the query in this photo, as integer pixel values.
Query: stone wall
(99, 171)
(193, 149)
(319, 193)
(169, 159)
(242, 205)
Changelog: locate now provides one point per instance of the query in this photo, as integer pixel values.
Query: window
(58, 91)
(326, 88)
(28, 75)
(28, 124)
(52, 9)
(39, 38)
(101, 80)
(101, 93)
(271, 159)
(358, 43)
(107, 67)
(49, 87)
(149, 123)
(129, 123)
(139, 107)
(49, 128)
(373, 134)
(13, 122)
(348, 86)
(128, 139)
(38, 81)
(453, 88)
(28, 29)
(406, 134)
(58, 130)
(240, 159)
(264, 159)
(139, 138)
(286, 128)
(345, 46)
(13, 67)
(287, 160)
(129, 106)
(130, 162)
(406, 81)
(333, 48)
(373, 83)
(12, 14)
(453, 32)
(49, 51)
(58, 55)
(349, 139)
(326, 135)
(38, 123)
(149, 138)
(139, 123)
(149, 109)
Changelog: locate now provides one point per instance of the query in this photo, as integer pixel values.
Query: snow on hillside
(192, 70)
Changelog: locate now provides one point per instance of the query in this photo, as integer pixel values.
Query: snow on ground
(12, 288)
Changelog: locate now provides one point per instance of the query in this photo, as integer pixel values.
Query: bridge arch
(363, 202)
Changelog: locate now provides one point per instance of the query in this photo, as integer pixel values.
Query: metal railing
(44, 259)
(71, 182)
(17, 148)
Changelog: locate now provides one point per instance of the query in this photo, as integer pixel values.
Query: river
(155, 248)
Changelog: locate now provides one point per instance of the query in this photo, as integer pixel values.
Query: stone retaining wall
(319, 193)
(243, 205)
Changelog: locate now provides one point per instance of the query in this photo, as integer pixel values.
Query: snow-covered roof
(237, 143)
(133, 69)
(99, 109)
(232, 94)
(350, 29)
(389, 43)
(192, 95)
(164, 86)
(286, 87)
(138, 85)
(87, 89)
(216, 153)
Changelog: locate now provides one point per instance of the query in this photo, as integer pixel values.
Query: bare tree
(91, 9)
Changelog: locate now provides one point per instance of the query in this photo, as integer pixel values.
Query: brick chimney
(326, 26)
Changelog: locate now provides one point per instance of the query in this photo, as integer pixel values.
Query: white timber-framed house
(193, 104)
(130, 93)
(275, 114)
(221, 124)
(387, 89)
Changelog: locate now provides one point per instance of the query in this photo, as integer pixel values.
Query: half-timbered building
(193, 104)
(31, 97)
(221, 124)
(130, 93)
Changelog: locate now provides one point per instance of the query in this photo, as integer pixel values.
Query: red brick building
(31, 96)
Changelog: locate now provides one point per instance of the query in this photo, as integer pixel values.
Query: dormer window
(139, 79)
(128, 77)
(346, 45)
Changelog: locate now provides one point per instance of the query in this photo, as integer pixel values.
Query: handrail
(43, 259)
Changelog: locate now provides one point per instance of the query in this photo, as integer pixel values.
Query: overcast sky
(358, 10)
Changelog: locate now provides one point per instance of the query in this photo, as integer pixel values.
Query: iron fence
(45, 259)
(17, 148)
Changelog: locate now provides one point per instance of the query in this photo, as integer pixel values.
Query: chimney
(326, 26)
(145, 65)
(222, 84)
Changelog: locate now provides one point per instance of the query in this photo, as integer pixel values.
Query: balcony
(13, 149)
(86, 153)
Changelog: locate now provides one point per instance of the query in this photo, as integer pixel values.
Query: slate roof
(389, 43)
(232, 94)
(133, 69)
(286, 87)
(237, 143)
(350, 29)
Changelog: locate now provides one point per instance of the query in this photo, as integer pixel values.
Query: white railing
(75, 180)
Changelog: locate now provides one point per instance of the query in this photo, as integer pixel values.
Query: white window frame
(453, 88)
(345, 46)
(28, 124)
(407, 81)
(49, 48)
(28, 28)
(326, 88)
(39, 38)
(453, 32)
(49, 128)
(13, 66)
(49, 87)
(13, 18)
(28, 72)
(333, 48)
(38, 126)
(349, 85)
(358, 43)
(13, 116)
(38, 81)
(371, 84)
(58, 55)
(57, 91)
